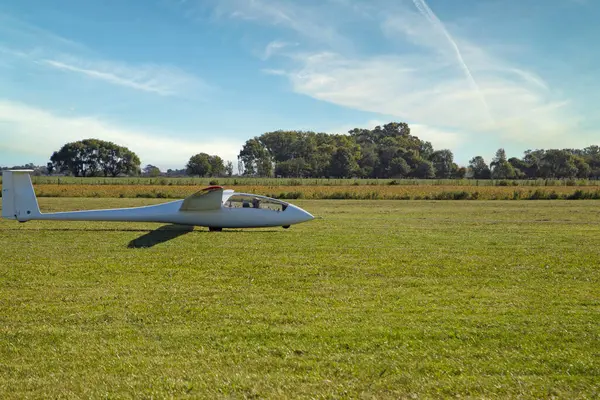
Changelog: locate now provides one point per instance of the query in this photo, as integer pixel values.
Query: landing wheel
(214, 229)
(285, 226)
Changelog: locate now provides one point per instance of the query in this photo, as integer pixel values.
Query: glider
(212, 207)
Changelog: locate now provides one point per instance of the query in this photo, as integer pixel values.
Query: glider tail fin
(18, 197)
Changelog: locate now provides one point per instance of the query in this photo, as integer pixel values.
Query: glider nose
(307, 216)
(299, 215)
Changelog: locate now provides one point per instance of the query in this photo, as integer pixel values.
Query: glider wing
(210, 198)
(227, 194)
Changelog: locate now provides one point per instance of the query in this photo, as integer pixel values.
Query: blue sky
(171, 78)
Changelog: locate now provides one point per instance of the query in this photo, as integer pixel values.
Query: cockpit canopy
(247, 200)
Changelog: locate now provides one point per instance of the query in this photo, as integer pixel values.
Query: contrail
(434, 20)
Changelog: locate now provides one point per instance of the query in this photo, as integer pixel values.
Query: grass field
(379, 299)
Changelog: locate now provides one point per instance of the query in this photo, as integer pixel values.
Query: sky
(172, 78)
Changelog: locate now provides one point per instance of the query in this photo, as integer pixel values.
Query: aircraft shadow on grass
(173, 231)
(160, 235)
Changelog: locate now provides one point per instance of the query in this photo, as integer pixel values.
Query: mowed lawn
(378, 299)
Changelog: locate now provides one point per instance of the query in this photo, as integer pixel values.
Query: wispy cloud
(38, 132)
(275, 46)
(16, 30)
(442, 83)
(312, 23)
(437, 24)
(161, 80)
(12, 52)
(23, 42)
(410, 88)
(165, 81)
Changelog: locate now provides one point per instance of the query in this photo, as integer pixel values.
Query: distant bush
(287, 195)
(583, 195)
(538, 195)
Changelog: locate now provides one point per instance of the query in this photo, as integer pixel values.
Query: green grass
(379, 299)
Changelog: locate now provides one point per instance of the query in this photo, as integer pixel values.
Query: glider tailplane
(18, 197)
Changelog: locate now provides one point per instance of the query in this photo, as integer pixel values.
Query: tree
(151, 170)
(382, 148)
(583, 168)
(91, 157)
(558, 164)
(424, 169)
(479, 168)
(199, 164)
(283, 145)
(255, 158)
(460, 173)
(343, 164)
(591, 155)
(229, 168)
(425, 150)
(399, 168)
(309, 154)
(519, 166)
(532, 161)
(501, 168)
(291, 168)
(443, 162)
(116, 160)
(217, 168)
(368, 160)
(264, 167)
(176, 172)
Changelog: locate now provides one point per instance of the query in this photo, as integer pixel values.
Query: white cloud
(431, 94)
(448, 87)
(162, 80)
(38, 132)
(440, 139)
(439, 26)
(313, 23)
(16, 30)
(279, 72)
(273, 47)
(44, 48)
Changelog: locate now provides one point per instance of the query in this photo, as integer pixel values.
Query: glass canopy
(246, 200)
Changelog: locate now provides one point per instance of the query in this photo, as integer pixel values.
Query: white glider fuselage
(224, 217)
(212, 207)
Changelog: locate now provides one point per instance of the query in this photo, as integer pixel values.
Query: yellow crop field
(381, 192)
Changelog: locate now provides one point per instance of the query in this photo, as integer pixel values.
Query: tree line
(554, 163)
(383, 152)
(388, 151)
